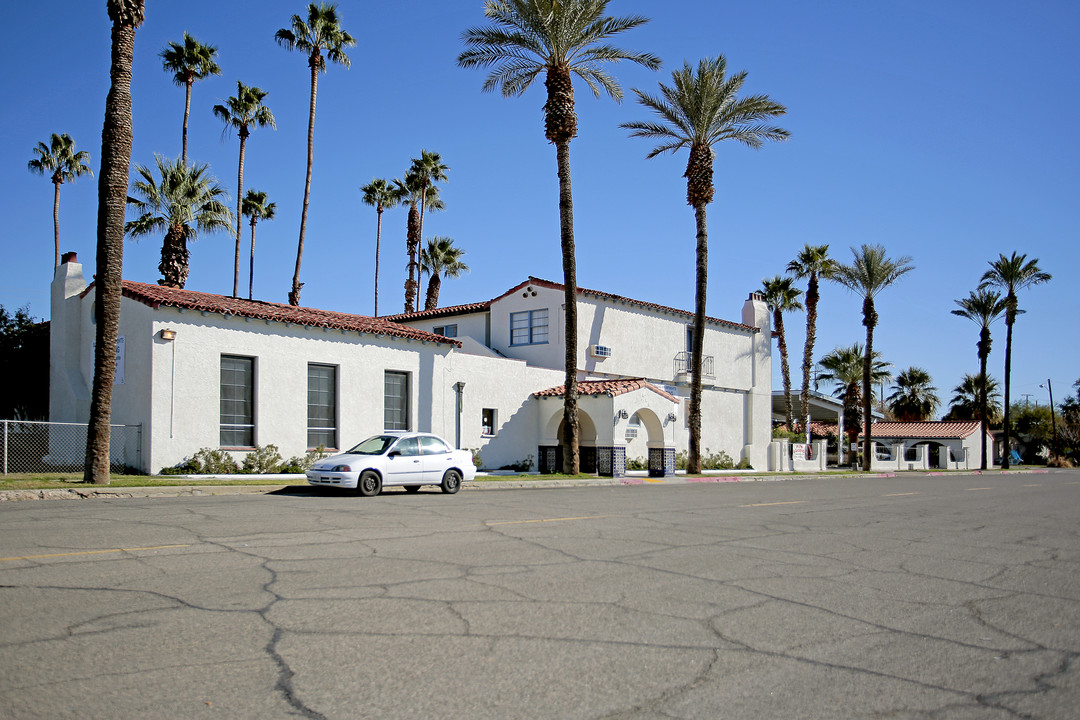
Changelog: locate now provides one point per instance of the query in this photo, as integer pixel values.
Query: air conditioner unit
(600, 351)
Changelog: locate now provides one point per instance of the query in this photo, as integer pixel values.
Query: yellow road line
(901, 494)
(790, 502)
(91, 552)
(525, 522)
(1034, 485)
(988, 488)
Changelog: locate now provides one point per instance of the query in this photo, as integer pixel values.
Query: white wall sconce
(167, 334)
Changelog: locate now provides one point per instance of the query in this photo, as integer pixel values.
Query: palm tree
(65, 164)
(845, 367)
(256, 208)
(914, 396)
(116, 139)
(983, 307)
(428, 169)
(412, 191)
(559, 38)
(440, 259)
(812, 263)
(321, 34)
(186, 201)
(1011, 274)
(188, 61)
(701, 108)
(783, 297)
(381, 195)
(243, 111)
(967, 400)
(869, 273)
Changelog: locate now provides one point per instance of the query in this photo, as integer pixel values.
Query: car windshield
(373, 445)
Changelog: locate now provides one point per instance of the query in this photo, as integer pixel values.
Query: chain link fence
(51, 447)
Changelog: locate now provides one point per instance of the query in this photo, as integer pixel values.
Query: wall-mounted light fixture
(672, 417)
(167, 334)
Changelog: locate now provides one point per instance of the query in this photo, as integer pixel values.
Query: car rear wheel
(412, 488)
(451, 482)
(369, 484)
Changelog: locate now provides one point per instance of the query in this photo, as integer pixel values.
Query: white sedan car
(408, 459)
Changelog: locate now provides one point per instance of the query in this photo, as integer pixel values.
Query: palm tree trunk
(251, 266)
(187, 112)
(571, 436)
(174, 259)
(812, 296)
(697, 350)
(56, 222)
(116, 139)
(434, 286)
(982, 395)
(1008, 376)
(412, 244)
(294, 294)
(785, 372)
(869, 320)
(378, 241)
(239, 216)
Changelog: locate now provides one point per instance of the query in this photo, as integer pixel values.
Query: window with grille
(322, 406)
(396, 401)
(237, 407)
(529, 327)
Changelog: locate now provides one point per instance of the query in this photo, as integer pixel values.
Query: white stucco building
(202, 370)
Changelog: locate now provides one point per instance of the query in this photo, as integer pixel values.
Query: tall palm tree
(256, 208)
(381, 195)
(429, 169)
(1011, 274)
(983, 307)
(783, 297)
(440, 259)
(189, 61)
(967, 400)
(60, 159)
(845, 367)
(869, 273)
(914, 397)
(813, 264)
(412, 191)
(559, 38)
(243, 111)
(186, 201)
(701, 108)
(116, 138)
(322, 39)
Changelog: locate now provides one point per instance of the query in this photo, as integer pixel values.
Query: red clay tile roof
(929, 429)
(481, 306)
(608, 387)
(818, 428)
(157, 295)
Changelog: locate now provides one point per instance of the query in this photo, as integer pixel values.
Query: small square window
(448, 331)
(487, 422)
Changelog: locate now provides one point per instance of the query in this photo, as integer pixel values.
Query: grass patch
(54, 481)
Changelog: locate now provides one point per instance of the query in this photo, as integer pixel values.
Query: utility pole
(1053, 417)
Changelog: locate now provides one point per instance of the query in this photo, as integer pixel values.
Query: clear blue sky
(942, 130)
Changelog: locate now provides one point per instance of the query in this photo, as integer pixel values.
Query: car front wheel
(451, 482)
(369, 483)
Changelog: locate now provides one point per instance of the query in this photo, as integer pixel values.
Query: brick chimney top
(69, 257)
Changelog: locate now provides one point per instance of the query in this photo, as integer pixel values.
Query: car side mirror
(394, 454)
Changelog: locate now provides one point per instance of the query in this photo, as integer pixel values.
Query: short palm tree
(321, 38)
(256, 208)
(559, 38)
(701, 108)
(983, 307)
(381, 195)
(243, 111)
(440, 259)
(116, 139)
(63, 163)
(869, 273)
(783, 297)
(1011, 274)
(412, 191)
(845, 367)
(186, 201)
(189, 61)
(914, 397)
(813, 264)
(967, 400)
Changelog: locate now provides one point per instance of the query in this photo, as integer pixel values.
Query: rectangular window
(396, 401)
(237, 418)
(529, 327)
(322, 406)
(448, 331)
(487, 422)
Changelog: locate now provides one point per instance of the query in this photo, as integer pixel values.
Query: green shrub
(300, 465)
(263, 460)
(637, 464)
(520, 466)
(709, 460)
(476, 459)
